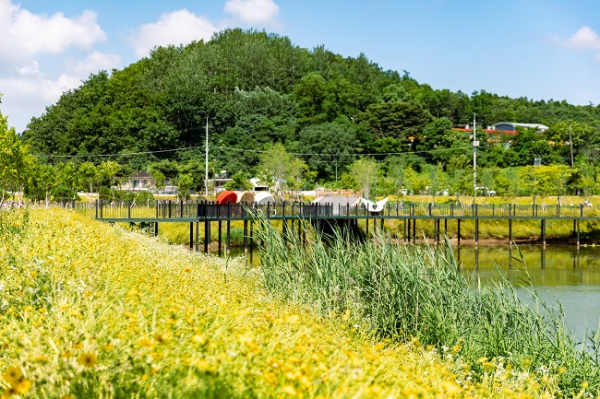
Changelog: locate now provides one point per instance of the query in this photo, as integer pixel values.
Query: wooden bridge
(323, 217)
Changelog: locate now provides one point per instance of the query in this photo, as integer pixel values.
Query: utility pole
(206, 161)
(571, 144)
(475, 145)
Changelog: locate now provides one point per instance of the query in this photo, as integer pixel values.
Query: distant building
(139, 181)
(512, 126)
(220, 180)
(502, 129)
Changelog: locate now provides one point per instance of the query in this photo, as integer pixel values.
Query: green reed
(405, 292)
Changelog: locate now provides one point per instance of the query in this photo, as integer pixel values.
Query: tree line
(261, 93)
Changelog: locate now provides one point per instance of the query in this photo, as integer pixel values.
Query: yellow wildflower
(12, 374)
(87, 359)
(22, 386)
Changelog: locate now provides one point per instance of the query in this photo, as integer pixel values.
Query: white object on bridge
(374, 206)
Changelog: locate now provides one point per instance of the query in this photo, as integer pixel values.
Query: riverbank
(403, 292)
(93, 310)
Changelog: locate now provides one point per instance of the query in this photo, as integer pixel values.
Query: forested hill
(258, 88)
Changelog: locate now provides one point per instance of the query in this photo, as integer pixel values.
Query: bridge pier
(219, 239)
(543, 228)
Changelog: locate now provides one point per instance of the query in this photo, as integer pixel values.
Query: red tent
(226, 196)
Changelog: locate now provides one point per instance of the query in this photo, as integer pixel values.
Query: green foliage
(15, 160)
(240, 182)
(63, 193)
(258, 89)
(365, 172)
(185, 183)
(143, 196)
(402, 293)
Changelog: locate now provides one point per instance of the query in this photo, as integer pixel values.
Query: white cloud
(24, 97)
(93, 63)
(25, 34)
(253, 11)
(584, 39)
(178, 27)
(32, 69)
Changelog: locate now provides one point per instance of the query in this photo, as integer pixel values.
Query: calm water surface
(559, 273)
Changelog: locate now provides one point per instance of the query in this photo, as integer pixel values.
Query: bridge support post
(228, 245)
(458, 231)
(220, 238)
(197, 234)
(251, 242)
(543, 228)
(155, 229)
(191, 236)
(510, 232)
(414, 231)
(476, 232)
(245, 237)
(206, 235)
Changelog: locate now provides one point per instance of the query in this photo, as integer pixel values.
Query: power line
(248, 150)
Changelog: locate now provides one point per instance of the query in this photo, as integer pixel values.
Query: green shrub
(64, 193)
(143, 196)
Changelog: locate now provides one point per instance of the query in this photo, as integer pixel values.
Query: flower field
(89, 310)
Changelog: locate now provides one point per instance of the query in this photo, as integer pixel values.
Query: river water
(562, 274)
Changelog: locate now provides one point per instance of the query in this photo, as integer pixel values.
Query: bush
(64, 193)
(143, 196)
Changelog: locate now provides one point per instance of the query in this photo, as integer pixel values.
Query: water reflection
(567, 275)
(553, 266)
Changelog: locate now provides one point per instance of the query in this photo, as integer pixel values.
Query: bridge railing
(169, 209)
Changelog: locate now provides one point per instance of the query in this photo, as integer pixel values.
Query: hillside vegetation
(329, 111)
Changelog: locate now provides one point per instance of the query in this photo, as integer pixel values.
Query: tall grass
(408, 292)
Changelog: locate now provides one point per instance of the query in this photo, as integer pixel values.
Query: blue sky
(540, 49)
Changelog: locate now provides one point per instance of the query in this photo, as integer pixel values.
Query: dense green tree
(257, 89)
(14, 159)
(327, 146)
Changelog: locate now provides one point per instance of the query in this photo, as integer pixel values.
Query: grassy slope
(90, 310)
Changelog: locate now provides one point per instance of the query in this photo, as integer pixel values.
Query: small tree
(274, 166)
(89, 174)
(108, 171)
(240, 182)
(160, 180)
(13, 159)
(366, 172)
(185, 182)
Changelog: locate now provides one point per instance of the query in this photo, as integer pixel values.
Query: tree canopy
(258, 90)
